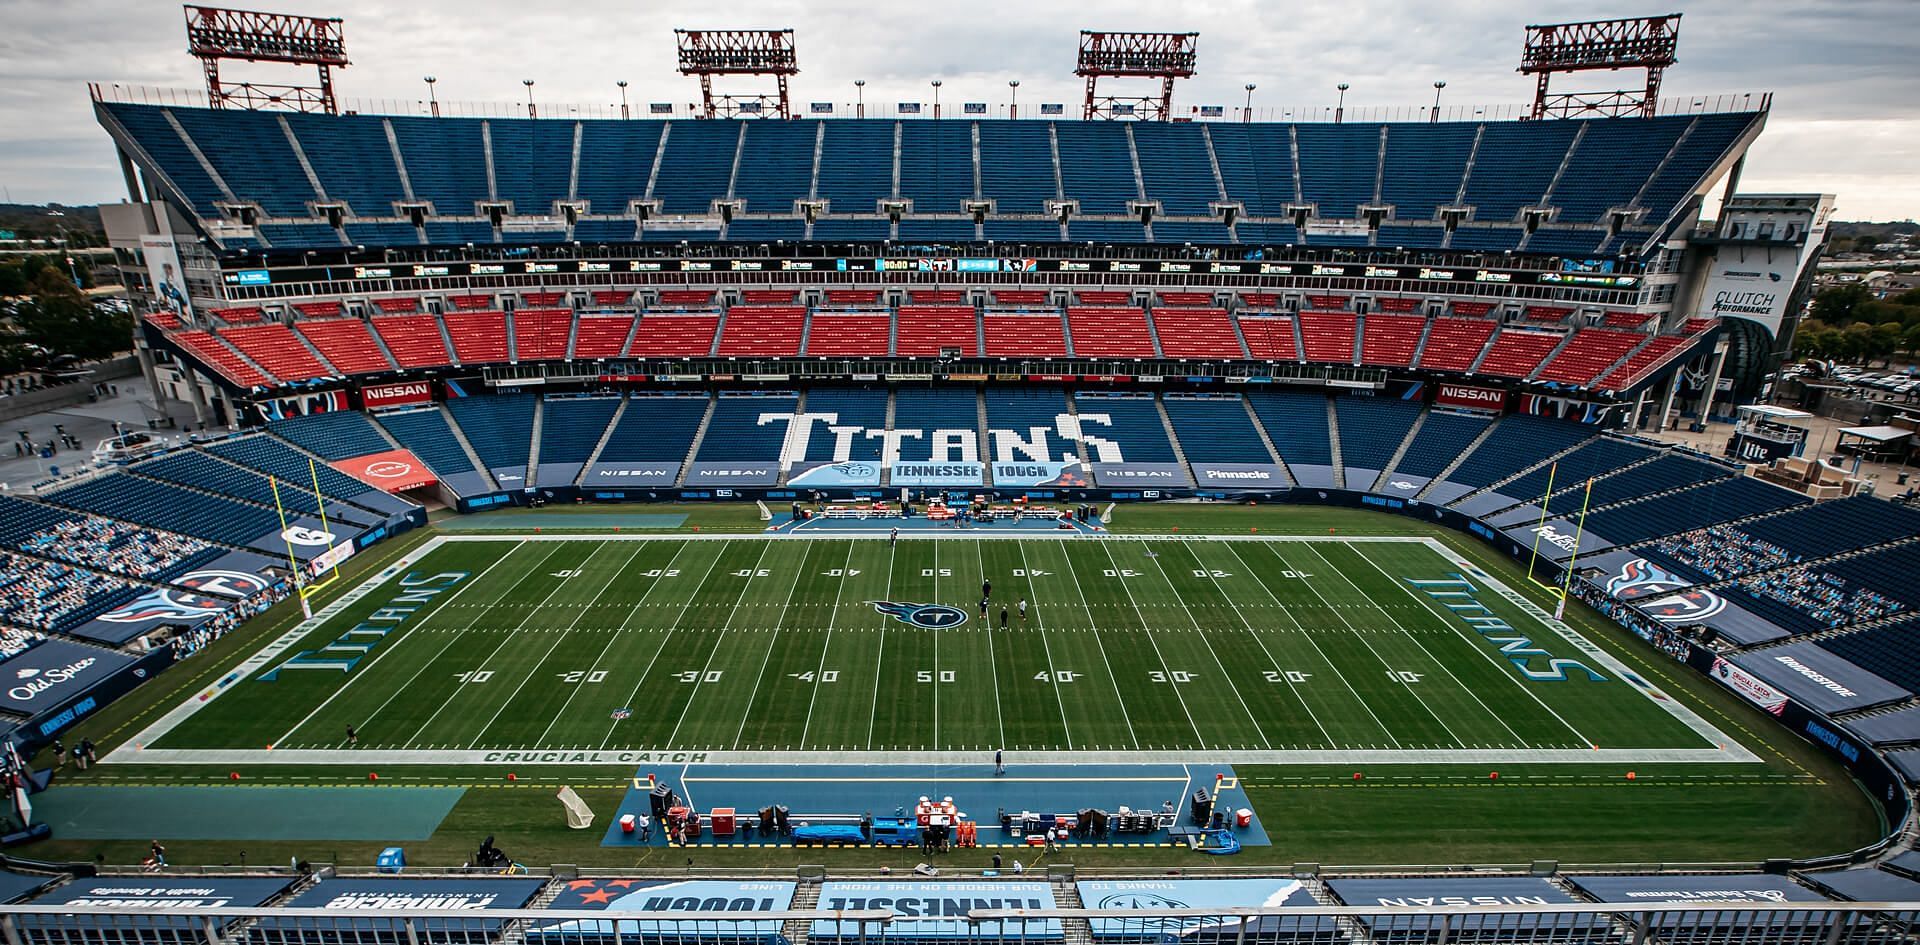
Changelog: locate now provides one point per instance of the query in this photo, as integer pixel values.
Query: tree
(1836, 305)
(1910, 339)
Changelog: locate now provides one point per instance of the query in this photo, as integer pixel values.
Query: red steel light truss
(215, 34)
(1647, 43)
(708, 53)
(1163, 56)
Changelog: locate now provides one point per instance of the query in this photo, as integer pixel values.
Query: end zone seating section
(336, 434)
(1454, 344)
(1371, 431)
(168, 507)
(346, 344)
(1443, 437)
(1891, 652)
(48, 595)
(278, 350)
(197, 470)
(1687, 509)
(425, 433)
(1664, 474)
(414, 340)
(268, 455)
(1597, 457)
(99, 543)
(1518, 442)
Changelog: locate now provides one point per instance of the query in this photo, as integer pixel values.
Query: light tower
(1648, 43)
(1163, 56)
(215, 33)
(708, 53)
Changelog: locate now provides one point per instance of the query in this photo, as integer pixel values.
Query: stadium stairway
(1494, 486)
(1066, 895)
(1267, 440)
(1333, 442)
(314, 350)
(1166, 423)
(613, 423)
(473, 455)
(700, 434)
(1393, 462)
(1079, 446)
(800, 407)
(986, 439)
(533, 448)
(806, 895)
(886, 472)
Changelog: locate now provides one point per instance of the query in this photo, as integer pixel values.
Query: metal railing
(1702, 923)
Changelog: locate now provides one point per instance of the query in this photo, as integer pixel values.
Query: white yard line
(767, 658)
(367, 670)
(685, 606)
(612, 638)
(1262, 644)
(558, 639)
(1442, 664)
(993, 666)
(1505, 671)
(1066, 728)
(1222, 666)
(1148, 633)
(833, 617)
(506, 636)
(880, 652)
(701, 680)
(1073, 578)
(1308, 634)
(1362, 637)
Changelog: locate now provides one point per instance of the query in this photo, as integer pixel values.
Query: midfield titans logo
(1665, 595)
(924, 616)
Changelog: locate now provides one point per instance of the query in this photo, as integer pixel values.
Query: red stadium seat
(543, 299)
(1328, 336)
(478, 337)
(1269, 337)
(397, 306)
(1655, 353)
(769, 296)
(1518, 353)
(221, 358)
(1259, 300)
(1471, 309)
(1107, 298)
(674, 335)
(936, 296)
(319, 309)
(701, 297)
(1187, 299)
(1591, 351)
(1453, 344)
(1547, 313)
(540, 334)
(612, 297)
(770, 331)
(853, 296)
(414, 340)
(470, 302)
(1399, 304)
(346, 344)
(862, 333)
(1041, 336)
(237, 316)
(277, 349)
(925, 329)
(1328, 303)
(1391, 340)
(1626, 319)
(1110, 332)
(603, 336)
(1196, 333)
(1020, 296)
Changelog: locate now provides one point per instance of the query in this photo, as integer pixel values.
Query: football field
(624, 648)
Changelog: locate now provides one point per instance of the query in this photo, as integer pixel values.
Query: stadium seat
(925, 329)
(1518, 353)
(478, 337)
(277, 349)
(414, 340)
(1391, 340)
(540, 334)
(1040, 336)
(674, 335)
(1195, 333)
(602, 336)
(1215, 430)
(1588, 353)
(1109, 332)
(1328, 337)
(848, 334)
(770, 331)
(346, 344)
(1269, 338)
(1454, 344)
(215, 353)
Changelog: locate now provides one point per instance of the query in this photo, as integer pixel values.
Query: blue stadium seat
(461, 232)
(168, 507)
(792, 230)
(1016, 167)
(500, 427)
(852, 408)
(735, 433)
(532, 163)
(1030, 417)
(426, 434)
(776, 165)
(616, 159)
(655, 429)
(1371, 429)
(1297, 425)
(1338, 164)
(1175, 167)
(1596, 457)
(251, 153)
(1253, 177)
(1519, 442)
(300, 235)
(936, 167)
(352, 159)
(1663, 474)
(452, 159)
(1425, 163)
(148, 125)
(1215, 430)
(1135, 428)
(931, 409)
(383, 234)
(1515, 163)
(1441, 440)
(336, 434)
(856, 166)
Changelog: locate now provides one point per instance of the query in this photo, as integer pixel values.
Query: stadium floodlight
(1648, 43)
(216, 33)
(1163, 56)
(708, 53)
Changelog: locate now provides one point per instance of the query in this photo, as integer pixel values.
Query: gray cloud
(1841, 70)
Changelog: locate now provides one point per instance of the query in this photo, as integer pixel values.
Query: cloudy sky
(1844, 73)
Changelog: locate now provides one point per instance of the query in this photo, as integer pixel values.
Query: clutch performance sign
(391, 471)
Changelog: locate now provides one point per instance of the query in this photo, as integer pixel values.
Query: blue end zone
(784, 523)
(841, 793)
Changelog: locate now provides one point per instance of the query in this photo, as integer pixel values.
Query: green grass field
(1424, 808)
(1249, 649)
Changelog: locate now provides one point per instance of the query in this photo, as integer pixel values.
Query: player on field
(986, 588)
(1003, 616)
(1023, 610)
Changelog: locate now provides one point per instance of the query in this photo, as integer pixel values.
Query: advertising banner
(828, 475)
(733, 474)
(1221, 894)
(390, 471)
(656, 895)
(1068, 475)
(393, 892)
(1683, 890)
(163, 607)
(1749, 686)
(930, 911)
(1239, 476)
(615, 475)
(1464, 891)
(155, 892)
(1470, 397)
(389, 395)
(1755, 288)
(304, 537)
(1147, 475)
(164, 273)
(1558, 538)
(937, 474)
(53, 671)
(1817, 679)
